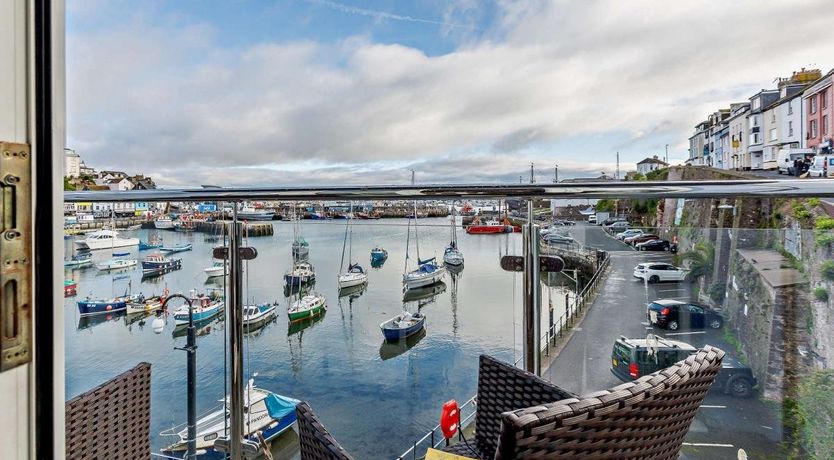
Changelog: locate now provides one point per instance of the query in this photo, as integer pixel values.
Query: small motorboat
(355, 276)
(120, 260)
(378, 255)
(301, 273)
(70, 288)
(255, 316)
(105, 239)
(308, 306)
(160, 263)
(217, 269)
(428, 272)
(164, 223)
(203, 308)
(176, 248)
(143, 305)
(143, 246)
(90, 306)
(266, 416)
(402, 326)
(81, 260)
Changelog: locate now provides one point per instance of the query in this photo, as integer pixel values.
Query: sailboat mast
(416, 234)
(350, 236)
(344, 243)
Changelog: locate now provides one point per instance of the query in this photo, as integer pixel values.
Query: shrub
(813, 413)
(605, 205)
(716, 292)
(824, 223)
(824, 239)
(813, 202)
(827, 270)
(820, 294)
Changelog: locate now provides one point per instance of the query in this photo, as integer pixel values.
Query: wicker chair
(644, 419)
(316, 442)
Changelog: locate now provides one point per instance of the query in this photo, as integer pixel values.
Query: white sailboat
(355, 275)
(428, 271)
(453, 256)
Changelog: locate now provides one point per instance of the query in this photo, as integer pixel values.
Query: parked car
(655, 272)
(618, 226)
(634, 240)
(673, 314)
(628, 233)
(613, 220)
(653, 245)
(633, 358)
(822, 166)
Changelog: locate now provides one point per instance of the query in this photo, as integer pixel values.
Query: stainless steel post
(532, 296)
(234, 314)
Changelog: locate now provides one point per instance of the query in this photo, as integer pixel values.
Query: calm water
(375, 398)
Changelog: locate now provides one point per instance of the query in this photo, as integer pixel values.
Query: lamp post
(191, 349)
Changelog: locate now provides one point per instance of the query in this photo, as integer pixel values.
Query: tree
(605, 205)
(68, 185)
(701, 259)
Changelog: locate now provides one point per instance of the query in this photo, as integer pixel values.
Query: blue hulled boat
(378, 255)
(402, 325)
(143, 246)
(176, 248)
(90, 306)
(203, 308)
(158, 263)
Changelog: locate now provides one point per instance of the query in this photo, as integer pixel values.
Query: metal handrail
(430, 435)
(763, 188)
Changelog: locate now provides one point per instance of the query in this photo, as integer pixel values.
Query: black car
(673, 314)
(631, 359)
(654, 245)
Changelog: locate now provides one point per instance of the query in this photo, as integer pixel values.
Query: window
(757, 103)
(825, 125)
(773, 134)
(773, 116)
(824, 97)
(812, 106)
(812, 128)
(790, 128)
(790, 107)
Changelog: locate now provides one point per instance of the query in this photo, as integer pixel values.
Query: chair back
(315, 441)
(644, 419)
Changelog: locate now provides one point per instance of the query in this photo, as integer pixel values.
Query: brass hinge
(15, 255)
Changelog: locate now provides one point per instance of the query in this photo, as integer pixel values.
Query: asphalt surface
(724, 424)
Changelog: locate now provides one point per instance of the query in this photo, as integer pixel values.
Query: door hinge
(15, 255)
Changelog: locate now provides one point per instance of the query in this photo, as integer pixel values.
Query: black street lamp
(191, 349)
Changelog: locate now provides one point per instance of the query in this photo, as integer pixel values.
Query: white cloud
(554, 82)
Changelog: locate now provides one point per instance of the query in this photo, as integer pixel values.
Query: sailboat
(355, 274)
(428, 271)
(312, 304)
(453, 256)
(300, 247)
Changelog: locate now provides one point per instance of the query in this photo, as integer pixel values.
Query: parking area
(724, 424)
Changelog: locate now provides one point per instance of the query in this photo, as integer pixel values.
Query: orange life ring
(450, 419)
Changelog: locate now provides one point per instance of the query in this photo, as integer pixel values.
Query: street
(723, 424)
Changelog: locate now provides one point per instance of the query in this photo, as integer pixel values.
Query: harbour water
(375, 398)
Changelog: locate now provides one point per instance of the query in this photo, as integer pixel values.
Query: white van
(822, 166)
(786, 157)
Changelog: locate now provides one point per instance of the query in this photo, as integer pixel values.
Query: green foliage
(605, 206)
(824, 238)
(824, 223)
(820, 294)
(717, 292)
(68, 185)
(799, 210)
(827, 270)
(644, 206)
(638, 177)
(701, 259)
(813, 411)
(658, 174)
(813, 202)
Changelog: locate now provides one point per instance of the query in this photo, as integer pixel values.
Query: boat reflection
(354, 292)
(87, 322)
(139, 317)
(390, 350)
(203, 327)
(454, 269)
(300, 290)
(301, 325)
(378, 263)
(150, 275)
(424, 292)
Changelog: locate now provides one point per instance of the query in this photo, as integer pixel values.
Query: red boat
(70, 287)
(492, 226)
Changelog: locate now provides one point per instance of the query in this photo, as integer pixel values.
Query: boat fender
(450, 419)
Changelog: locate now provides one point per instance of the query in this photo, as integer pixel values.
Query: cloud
(566, 82)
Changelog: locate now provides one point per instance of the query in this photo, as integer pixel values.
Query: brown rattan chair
(316, 442)
(644, 419)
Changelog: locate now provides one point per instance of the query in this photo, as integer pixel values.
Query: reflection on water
(390, 350)
(86, 322)
(334, 361)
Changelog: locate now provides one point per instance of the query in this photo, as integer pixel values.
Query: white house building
(119, 184)
(736, 157)
(72, 163)
(757, 135)
(651, 164)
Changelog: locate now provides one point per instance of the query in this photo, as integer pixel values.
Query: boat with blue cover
(264, 411)
(203, 308)
(176, 248)
(255, 316)
(144, 246)
(403, 325)
(378, 256)
(80, 260)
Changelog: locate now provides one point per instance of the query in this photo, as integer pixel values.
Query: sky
(321, 92)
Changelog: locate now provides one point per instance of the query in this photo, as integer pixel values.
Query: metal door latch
(15, 255)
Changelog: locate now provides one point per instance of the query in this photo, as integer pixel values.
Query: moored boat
(90, 306)
(452, 255)
(402, 326)
(80, 260)
(301, 273)
(158, 262)
(203, 308)
(267, 415)
(145, 305)
(176, 248)
(164, 223)
(105, 239)
(143, 246)
(119, 261)
(251, 213)
(70, 288)
(490, 227)
(308, 306)
(218, 268)
(255, 316)
(355, 276)
(428, 272)
(378, 255)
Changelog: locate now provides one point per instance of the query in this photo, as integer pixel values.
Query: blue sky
(318, 91)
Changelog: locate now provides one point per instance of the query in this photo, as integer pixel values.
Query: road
(723, 424)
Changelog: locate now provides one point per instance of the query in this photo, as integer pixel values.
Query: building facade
(72, 163)
(737, 157)
(757, 134)
(818, 101)
(650, 164)
(698, 145)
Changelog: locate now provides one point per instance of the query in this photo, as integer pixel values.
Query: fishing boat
(378, 255)
(80, 260)
(255, 316)
(203, 308)
(164, 223)
(218, 268)
(452, 255)
(308, 306)
(467, 210)
(70, 288)
(490, 227)
(156, 244)
(158, 262)
(266, 415)
(143, 305)
(402, 326)
(184, 226)
(252, 213)
(119, 261)
(90, 306)
(355, 275)
(105, 239)
(301, 273)
(176, 248)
